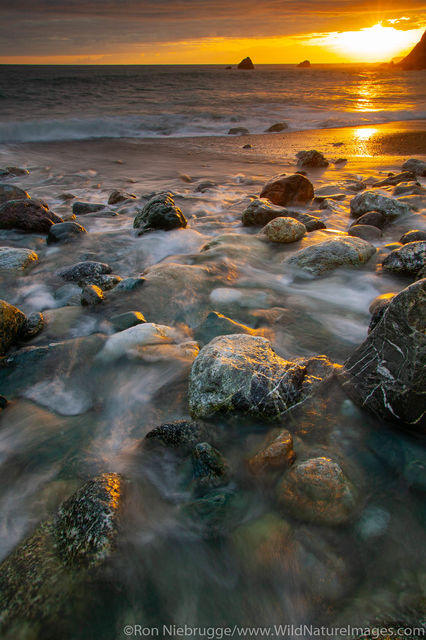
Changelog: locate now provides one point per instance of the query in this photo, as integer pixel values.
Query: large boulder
(16, 259)
(285, 190)
(317, 490)
(159, 213)
(11, 192)
(386, 373)
(418, 167)
(373, 201)
(242, 373)
(246, 63)
(318, 259)
(260, 211)
(410, 259)
(44, 582)
(12, 321)
(27, 215)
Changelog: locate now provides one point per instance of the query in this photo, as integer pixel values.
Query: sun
(372, 44)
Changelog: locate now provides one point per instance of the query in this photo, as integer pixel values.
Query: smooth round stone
(91, 295)
(413, 236)
(126, 320)
(64, 232)
(284, 230)
(372, 218)
(16, 259)
(33, 325)
(366, 232)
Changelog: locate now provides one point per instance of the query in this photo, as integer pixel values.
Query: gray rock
(91, 295)
(160, 212)
(410, 259)
(394, 180)
(241, 373)
(284, 190)
(386, 373)
(115, 197)
(277, 127)
(206, 185)
(418, 167)
(64, 232)
(216, 324)
(126, 320)
(238, 131)
(27, 215)
(317, 490)
(311, 159)
(81, 208)
(10, 192)
(326, 256)
(372, 218)
(15, 259)
(129, 284)
(181, 435)
(413, 236)
(260, 211)
(378, 307)
(209, 467)
(84, 272)
(284, 230)
(366, 232)
(33, 325)
(106, 281)
(373, 201)
(409, 189)
(13, 172)
(12, 320)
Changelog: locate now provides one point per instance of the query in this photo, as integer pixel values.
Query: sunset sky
(212, 32)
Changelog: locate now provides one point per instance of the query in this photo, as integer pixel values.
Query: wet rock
(49, 577)
(160, 212)
(3, 402)
(410, 259)
(378, 307)
(181, 435)
(386, 373)
(409, 188)
(260, 211)
(68, 294)
(246, 63)
(372, 218)
(394, 180)
(216, 324)
(13, 172)
(317, 490)
(33, 325)
(275, 456)
(247, 146)
(338, 197)
(91, 295)
(84, 272)
(206, 185)
(241, 373)
(129, 284)
(126, 320)
(366, 232)
(238, 131)
(284, 190)
(12, 320)
(64, 232)
(10, 192)
(14, 259)
(319, 259)
(418, 167)
(82, 208)
(413, 236)
(115, 197)
(66, 197)
(284, 230)
(209, 467)
(27, 215)
(373, 201)
(130, 340)
(213, 515)
(106, 281)
(311, 159)
(277, 127)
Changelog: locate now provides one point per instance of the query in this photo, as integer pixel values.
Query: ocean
(48, 103)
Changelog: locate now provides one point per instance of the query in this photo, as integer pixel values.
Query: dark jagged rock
(246, 63)
(180, 435)
(413, 236)
(378, 307)
(159, 213)
(416, 59)
(44, 582)
(64, 232)
(284, 190)
(12, 321)
(10, 192)
(209, 467)
(305, 64)
(410, 259)
(81, 208)
(277, 127)
(27, 215)
(321, 258)
(241, 373)
(84, 272)
(372, 201)
(418, 167)
(386, 373)
(311, 160)
(317, 490)
(115, 197)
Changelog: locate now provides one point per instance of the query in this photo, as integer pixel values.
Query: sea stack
(305, 64)
(246, 64)
(416, 59)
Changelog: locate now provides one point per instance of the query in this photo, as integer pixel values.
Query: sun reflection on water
(365, 133)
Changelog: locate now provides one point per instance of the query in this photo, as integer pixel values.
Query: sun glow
(372, 44)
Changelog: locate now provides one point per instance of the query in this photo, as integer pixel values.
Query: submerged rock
(311, 159)
(11, 192)
(242, 373)
(317, 490)
(246, 63)
(64, 232)
(180, 435)
(386, 373)
(115, 197)
(126, 320)
(83, 273)
(318, 259)
(238, 131)
(34, 323)
(284, 190)
(45, 581)
(284, 230)
(13, 172)
(82, 208)
(373, 201)
(418, 167)
(160, 212)
(91, 295)
(209, 467)
(125, 342)
(27, 215)
(410, 259)
(15, 259)
(274, 456)
(216, 324)
(12, 321)
(277, 127)
(366, 232)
